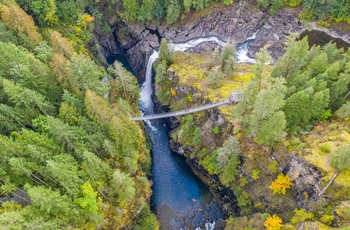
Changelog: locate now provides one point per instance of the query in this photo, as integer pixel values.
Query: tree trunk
(329, 183)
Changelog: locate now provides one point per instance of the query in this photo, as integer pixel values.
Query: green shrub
(273, 166)
(294, 3)
(323, 23)
(325, 148)
(327, 219)
(216, 130)
(255, 174)
(325, 115)
(301, 215)
(243, 181)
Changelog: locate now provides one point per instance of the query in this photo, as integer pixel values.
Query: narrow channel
(179, 198)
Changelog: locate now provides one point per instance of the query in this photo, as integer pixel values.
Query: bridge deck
(234, 98)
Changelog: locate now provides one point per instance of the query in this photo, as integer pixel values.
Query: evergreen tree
(27, 98)
(131, 9)
(267, 102)
(64, 168)
(228, 58)
(61, 45)
(344, 111)
(297, 110)
(215, 77)
(290, 63)
(263, 59)
(124, 85)
(166, 54)
(85, 75)
(229, 149)
(16, 19)
(173, 11)
(272, 130)
(341, 158)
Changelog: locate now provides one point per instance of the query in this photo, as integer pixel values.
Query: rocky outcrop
(274, 33)
(238, 21)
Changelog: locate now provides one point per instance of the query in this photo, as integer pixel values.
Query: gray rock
(274, 33)
(203, 48)
(109, 45)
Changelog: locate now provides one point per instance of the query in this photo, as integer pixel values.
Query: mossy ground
(192, 70)
(322, 142)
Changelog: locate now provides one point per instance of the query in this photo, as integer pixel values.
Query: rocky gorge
(238, 21)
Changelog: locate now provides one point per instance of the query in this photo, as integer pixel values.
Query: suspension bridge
(233, 98)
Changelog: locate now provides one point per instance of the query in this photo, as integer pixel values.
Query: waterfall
(146, 102)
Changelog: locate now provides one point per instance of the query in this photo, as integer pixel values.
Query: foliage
(301, 216)
(82, 163)
(325, 148)
(228, 58)
(243, 200)
(327, 219)
(341, 158)
(294, 3)
(124, 85)
(163, 92)
(166, 54)
(255, 174)
(16, 19)
(344, 111)
(273, 222)
(280, 184)
(228, 160)
(215, 77)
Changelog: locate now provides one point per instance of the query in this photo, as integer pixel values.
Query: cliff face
(238, 21)
(247, 194)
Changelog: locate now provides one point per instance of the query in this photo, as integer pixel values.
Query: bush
(327, 219)
(294, 3)
(325, 116)
(325, 148)
(273, 166)
(301, 215)
(215, 78)
(323, 23)
(255, 174)
(216, 130)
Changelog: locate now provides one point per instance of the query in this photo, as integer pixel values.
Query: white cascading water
(242, 50)
(146, 89)
(193, 43)
(146, 102)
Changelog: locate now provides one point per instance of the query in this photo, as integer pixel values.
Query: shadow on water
(321, 38)
(122, 59)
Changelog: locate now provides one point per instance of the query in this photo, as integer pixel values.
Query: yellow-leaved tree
(280, 184)
(273, 222)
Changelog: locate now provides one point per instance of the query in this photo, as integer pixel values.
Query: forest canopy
(70, 157)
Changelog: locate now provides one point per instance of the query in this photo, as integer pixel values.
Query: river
(179, 198)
